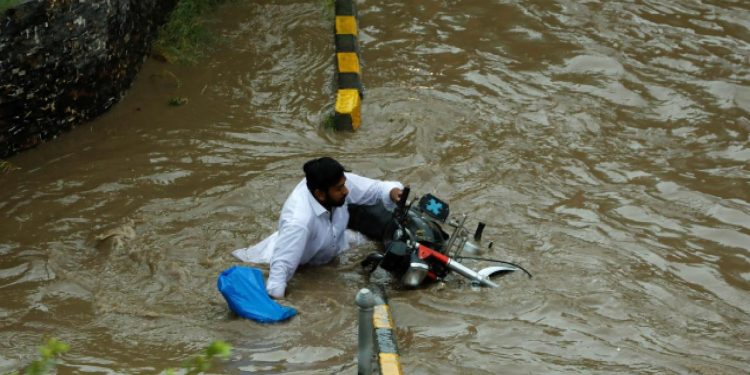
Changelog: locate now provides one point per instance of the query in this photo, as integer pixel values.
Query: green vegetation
(48, 353)
(204, 361)
(328, 123)
(8, 4)
(53, 349)
(329, 9)
(184, 38)
(177, 101)
(6, 166)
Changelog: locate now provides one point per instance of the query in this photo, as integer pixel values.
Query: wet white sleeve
(366, 191)
(260, 252)
(289, 249)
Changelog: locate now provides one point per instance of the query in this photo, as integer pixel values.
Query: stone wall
(66, 61)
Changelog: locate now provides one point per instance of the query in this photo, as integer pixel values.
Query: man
(313, 222)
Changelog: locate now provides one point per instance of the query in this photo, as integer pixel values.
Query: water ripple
(604, 143)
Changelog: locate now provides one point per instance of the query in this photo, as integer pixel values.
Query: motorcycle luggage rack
(458, 228)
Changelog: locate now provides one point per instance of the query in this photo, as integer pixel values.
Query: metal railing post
(366, 301)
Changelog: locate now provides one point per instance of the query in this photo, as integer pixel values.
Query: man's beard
(329, 202)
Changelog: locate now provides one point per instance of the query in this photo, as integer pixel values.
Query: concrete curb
(389, 361)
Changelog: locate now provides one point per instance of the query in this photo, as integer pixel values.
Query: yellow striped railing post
(376, 326)
(389, 361)
(349, 89)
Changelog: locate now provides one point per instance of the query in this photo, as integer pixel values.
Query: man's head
(326, 181)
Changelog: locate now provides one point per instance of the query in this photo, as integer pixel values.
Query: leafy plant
(177, 101)
(328, 122)
(48, 353)
(184, 38)
(8, 4)
(6, 166)
(54, 348)
(329, 9)
(204, 361)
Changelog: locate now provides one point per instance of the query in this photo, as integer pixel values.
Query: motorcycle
(418, 250)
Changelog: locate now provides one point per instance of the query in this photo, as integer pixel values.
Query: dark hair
(322, 173)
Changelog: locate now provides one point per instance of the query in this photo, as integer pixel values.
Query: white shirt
(308, 234)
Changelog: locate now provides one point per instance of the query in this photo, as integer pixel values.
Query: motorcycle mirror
(478, 232)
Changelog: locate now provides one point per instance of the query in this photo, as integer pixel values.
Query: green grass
(6, 166)
(7, 4)
(53, 349)
(203, 362)
(184, 38)
(177, 101)
(48, 355)
(328, 122)
(329, 9)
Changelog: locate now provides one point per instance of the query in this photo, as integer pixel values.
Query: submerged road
(605, 143)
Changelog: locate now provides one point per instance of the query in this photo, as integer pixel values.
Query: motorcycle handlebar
(404, 196)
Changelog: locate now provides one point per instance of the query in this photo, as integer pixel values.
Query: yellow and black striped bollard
(349, 92)
(389, 361)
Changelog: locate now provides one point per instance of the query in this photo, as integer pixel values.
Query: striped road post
(349, 91)
(389, 360)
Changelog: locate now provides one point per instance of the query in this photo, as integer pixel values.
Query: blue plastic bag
(245, 292)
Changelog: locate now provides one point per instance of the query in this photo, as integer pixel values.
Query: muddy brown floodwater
(605, 143)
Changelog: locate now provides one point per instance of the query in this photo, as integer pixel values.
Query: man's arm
(286, 257)
(367, 191)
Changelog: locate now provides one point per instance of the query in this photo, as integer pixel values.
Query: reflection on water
(605, 143)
